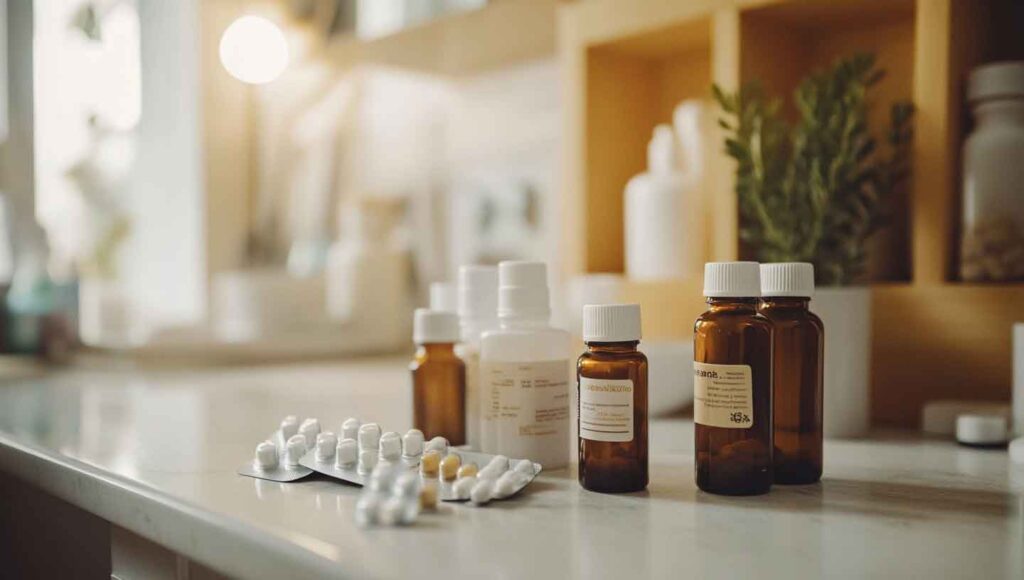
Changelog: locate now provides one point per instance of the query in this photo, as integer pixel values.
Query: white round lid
(977, 429)
(996, 80)
(794, 279)
(732, 280)
(433, 326)
(611, 322)
(523, 290)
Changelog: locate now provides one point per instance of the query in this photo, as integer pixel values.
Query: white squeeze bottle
(525, 372)
(478, 312)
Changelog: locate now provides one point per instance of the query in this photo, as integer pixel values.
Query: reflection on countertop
(891, 505)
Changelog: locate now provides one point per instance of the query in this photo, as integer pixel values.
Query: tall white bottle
(663, 221)
(478, 312)
(525, 372)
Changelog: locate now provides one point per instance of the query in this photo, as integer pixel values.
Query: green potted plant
(815, 190)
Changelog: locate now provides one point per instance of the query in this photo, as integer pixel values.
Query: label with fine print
(723, 395)
(606, 409)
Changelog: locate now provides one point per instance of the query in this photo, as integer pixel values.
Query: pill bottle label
(526, 399)
(606, 409)
(723, 395)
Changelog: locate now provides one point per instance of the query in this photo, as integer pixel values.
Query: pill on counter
(350, 428)
(369, 436)
(346, 453)
(467, 470)
(367, 509)
(294, 450)
(407, 484)
(390, 446)
(309, 429)
(430, 463)
(367, 460)
(326, 444)
(266, 456)
(412, 443)
(482, 492)
(525, 466)
(508, 484)
(463, 486)
(439, 444)
(289, 427)
(450, 466)
(392, 511)
(428, 496)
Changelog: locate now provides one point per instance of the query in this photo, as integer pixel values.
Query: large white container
(663, 222)
(478, 312)
(846, 314)
(525, 372)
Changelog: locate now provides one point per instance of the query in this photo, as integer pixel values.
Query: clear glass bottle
(612, 396)
(732, 407)
(438, 377)
(992, 247)
(525, 372)
(799, 366)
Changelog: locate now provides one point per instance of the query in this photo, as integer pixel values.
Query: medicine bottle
(525, 371)
(478, 313)
(786, 291)
(732, 386)
(438, 377)
(612, 398)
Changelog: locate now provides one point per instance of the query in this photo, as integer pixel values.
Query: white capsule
(346, 453)
(525, 466)
(310, 428)
(367, 509)
(266, 456)
(326, 443)
(390, 446)
(407, 484)
(294, 450)
(289, 427)
(491, 472)
(412, 443)
(367, 460)
(499, 462)
(391, 511)
(482, 491)
(350, 428)
(369, 436)
(508, 484)
(439, 444)
(463, 487)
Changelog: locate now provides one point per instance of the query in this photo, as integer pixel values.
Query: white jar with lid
(993, 206)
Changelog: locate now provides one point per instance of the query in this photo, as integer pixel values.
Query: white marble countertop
(156, 452)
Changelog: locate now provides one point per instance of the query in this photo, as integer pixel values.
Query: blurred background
(246, 180)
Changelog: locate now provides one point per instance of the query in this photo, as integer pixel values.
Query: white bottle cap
(478, 292)
(611, 322)
(794, 279)
(523, 290)
(443, 297)
(431, 326)
(982, 429)
(732, 280)
(998, 80)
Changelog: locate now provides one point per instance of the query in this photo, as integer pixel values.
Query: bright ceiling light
(254, 50)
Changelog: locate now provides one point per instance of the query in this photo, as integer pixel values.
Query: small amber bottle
(438, 377)
(732, 386)
(612, 396)
(799, 343)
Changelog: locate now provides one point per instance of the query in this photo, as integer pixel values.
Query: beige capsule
(429, 463)
(450, 467)
(468, 470)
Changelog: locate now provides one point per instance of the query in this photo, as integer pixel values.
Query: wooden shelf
(626, 64)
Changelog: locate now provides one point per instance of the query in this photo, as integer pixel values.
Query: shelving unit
(627, 64)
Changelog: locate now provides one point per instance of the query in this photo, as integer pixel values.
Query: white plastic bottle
(525, 372)
(663, 231)
(478, 313)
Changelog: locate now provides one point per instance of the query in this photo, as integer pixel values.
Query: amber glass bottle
(612, 396)
(732, 350)
(438, 377)
(799, 344)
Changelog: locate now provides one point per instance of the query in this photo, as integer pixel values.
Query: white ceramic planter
(846, 313)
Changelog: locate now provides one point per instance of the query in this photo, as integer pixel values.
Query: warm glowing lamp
(254, 50)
